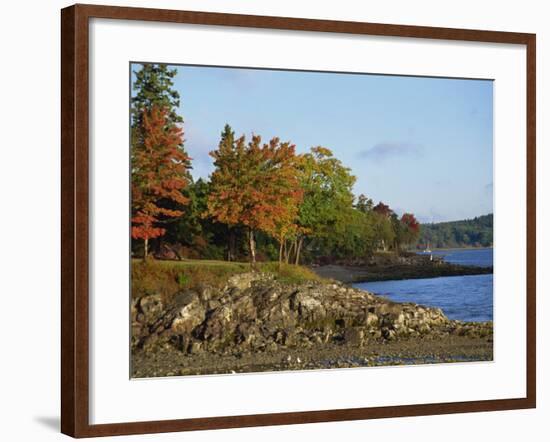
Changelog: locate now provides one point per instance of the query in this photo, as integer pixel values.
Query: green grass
(168, 277)
(289, 273)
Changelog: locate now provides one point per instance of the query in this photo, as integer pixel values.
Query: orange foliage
(159, 173)
(255, 185)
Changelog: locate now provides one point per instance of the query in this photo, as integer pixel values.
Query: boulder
(189, 316)
(151, 307)
(354, 336)
(243, 281)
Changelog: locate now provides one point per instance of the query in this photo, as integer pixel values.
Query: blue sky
(421, 145)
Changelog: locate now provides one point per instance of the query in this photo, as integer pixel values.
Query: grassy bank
(168, 277)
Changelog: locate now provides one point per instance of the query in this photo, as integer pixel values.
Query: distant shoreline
(397, 268)
(444, 249)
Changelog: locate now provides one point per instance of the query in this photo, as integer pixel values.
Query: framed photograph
(272, 221)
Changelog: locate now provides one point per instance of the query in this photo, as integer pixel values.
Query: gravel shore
(167, 361)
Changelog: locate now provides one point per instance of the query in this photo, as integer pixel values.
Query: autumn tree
(383, 209)
(411, 228)
(253, 185)
(159, 167)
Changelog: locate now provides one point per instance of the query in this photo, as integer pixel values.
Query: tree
(354, 240)
(383, 230)
(226, 145)
(154, 87)
(159, 168)
(411, 228)
(399, 230)
(364, 204)
(383, 209)
(464, 233)
(192, 234)
(286, 225)
(386, 225)
(327, 196)
(253, 185)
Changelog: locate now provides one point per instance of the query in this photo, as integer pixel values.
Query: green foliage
(353, 238)
(327, 204)
(193, 230)
(384, 233)
(328, 195)
(183, 279)
(476, 232)
(364, 204)
(154, 85)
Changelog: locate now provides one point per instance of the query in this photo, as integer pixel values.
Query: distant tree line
(476, 232)
(263, 200)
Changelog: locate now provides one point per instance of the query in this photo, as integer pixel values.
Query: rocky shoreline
(256, 323)
(391, 267)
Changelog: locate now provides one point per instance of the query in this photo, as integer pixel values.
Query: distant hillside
(477, 232)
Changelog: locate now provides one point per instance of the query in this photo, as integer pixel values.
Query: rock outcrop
(253, 313)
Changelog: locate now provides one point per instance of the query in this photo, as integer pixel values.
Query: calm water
(472, 257)
(467, 298)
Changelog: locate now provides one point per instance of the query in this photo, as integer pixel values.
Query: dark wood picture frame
(74, 220)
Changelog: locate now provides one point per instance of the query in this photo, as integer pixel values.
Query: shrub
(183, 280)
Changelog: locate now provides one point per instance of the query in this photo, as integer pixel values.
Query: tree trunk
(145, 247)
(252, 246)
(298, 249)
(289, 252)
(281, 242)
(231, 245)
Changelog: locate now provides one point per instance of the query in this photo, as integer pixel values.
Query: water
(466, 298)
(471, 257)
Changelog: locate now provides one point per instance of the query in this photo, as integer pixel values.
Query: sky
(421, 145)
